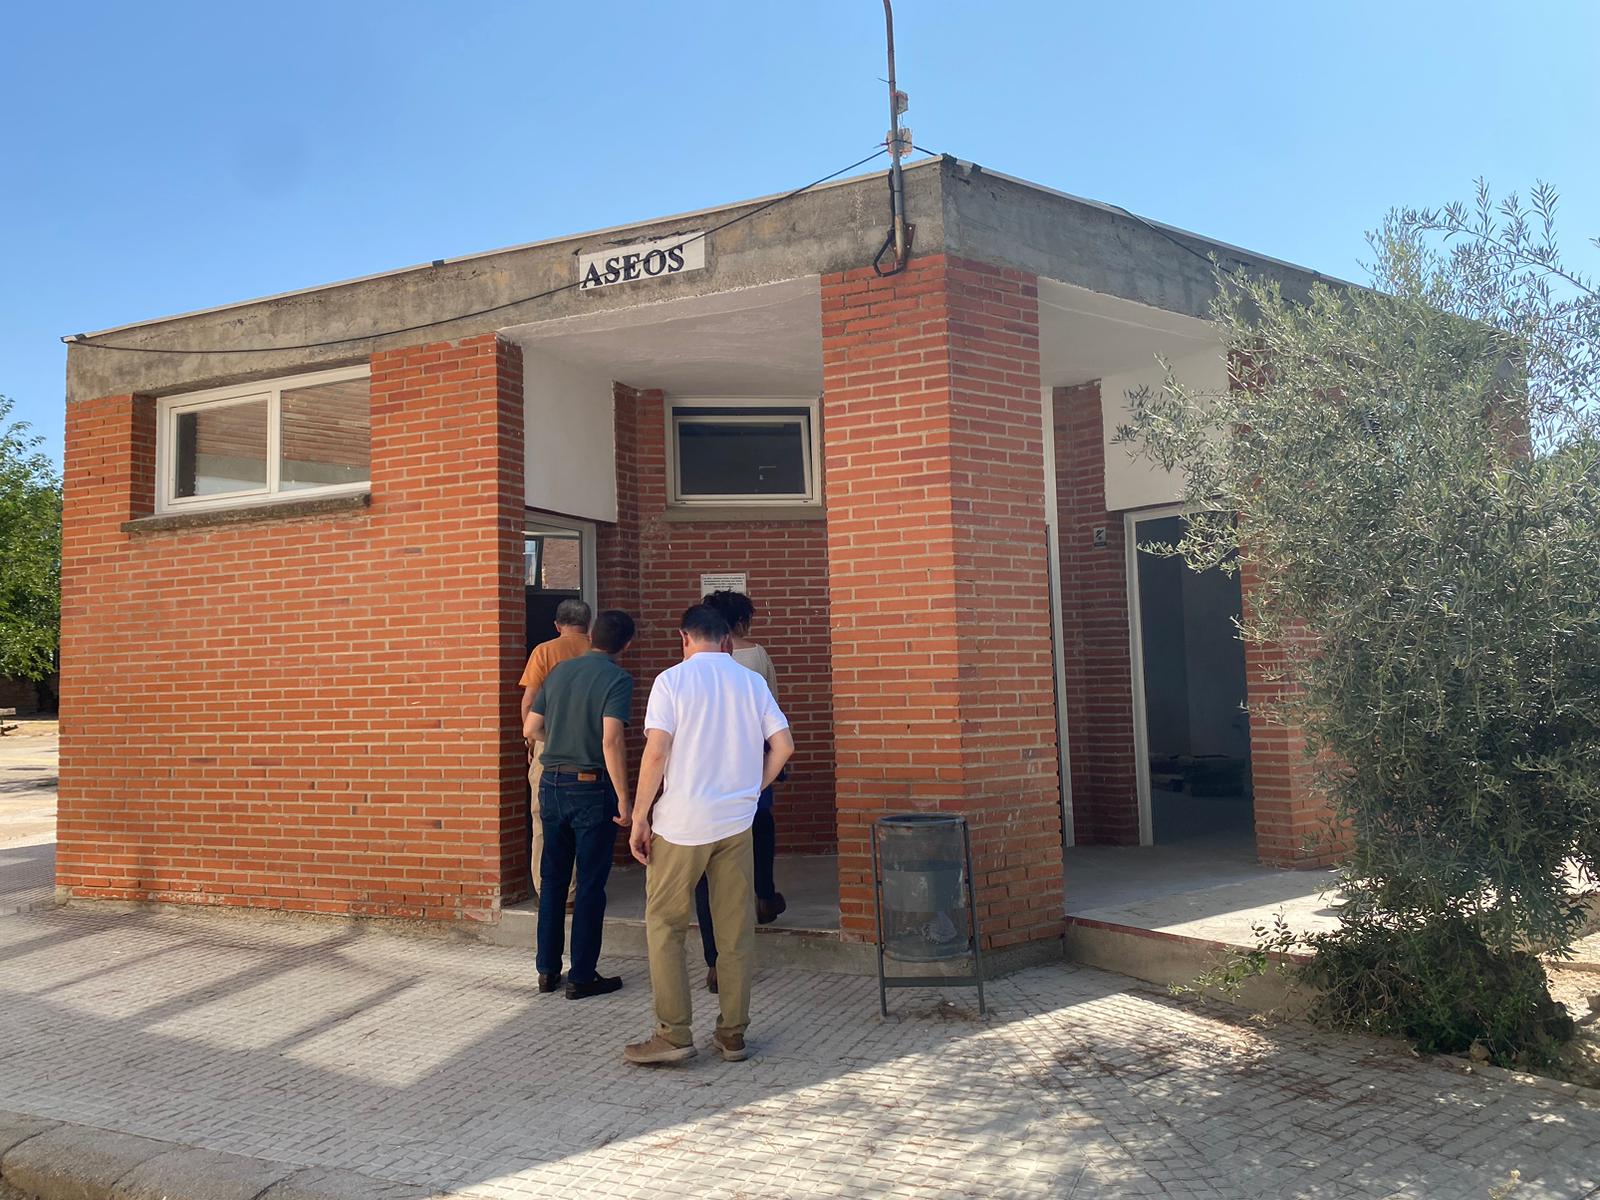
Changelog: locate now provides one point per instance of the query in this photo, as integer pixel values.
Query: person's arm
(533, 677)
(614, 742)
(533, 719)
(652, 770)
(780, 748)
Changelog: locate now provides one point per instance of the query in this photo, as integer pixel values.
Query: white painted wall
(571, 438)
(1140, 483)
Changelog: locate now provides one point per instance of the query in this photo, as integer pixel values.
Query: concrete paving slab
(437, 1063)
(70, 1163)
(320, 1183)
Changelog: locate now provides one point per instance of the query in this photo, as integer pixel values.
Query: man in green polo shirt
(580, 714)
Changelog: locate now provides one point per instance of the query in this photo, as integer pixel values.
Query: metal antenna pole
(897, 194)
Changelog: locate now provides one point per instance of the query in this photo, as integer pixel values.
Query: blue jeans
(578, 828)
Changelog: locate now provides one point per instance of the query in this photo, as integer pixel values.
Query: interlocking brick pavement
(434, 1061)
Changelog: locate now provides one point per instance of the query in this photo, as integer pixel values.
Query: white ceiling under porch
(758, 341)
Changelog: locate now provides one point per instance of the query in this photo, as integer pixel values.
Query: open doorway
(1191, 727)
(557, 564)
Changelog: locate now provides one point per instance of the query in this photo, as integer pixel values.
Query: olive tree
(1412, 473)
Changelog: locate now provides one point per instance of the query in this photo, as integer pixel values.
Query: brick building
(305, 556)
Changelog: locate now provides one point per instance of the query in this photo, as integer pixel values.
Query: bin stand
(975, 978)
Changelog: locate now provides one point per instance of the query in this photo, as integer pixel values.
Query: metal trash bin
(922, 888)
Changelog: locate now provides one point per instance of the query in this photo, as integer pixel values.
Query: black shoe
(549, 983)
(768, 911)
(598, 986)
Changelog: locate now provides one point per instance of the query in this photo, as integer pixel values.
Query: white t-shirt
(720, 715)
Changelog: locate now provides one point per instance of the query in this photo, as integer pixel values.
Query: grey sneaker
(656, 1050)
(730, 1046)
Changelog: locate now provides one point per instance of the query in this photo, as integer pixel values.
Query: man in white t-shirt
(705, 725)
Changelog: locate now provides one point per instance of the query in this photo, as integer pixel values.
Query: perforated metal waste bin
(922, 876)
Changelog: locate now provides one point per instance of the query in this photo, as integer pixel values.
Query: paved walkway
(434, 1062)
(28, 815)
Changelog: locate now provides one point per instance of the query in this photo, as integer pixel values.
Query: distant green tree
(1413, 473)
(30, 552)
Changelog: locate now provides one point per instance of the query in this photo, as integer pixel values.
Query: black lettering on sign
(630, 266)
(613, 270)
(654, 263)
(675, 257)
(591, 277)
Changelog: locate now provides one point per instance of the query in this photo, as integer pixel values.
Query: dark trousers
(578, 830)
(764, 842)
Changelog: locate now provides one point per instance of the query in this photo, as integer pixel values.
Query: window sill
(249, 514)
(745, 513)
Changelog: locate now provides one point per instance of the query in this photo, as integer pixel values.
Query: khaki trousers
(536, 854)
(729, 868)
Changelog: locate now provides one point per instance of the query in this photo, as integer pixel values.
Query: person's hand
(639, 842)
(624, 816)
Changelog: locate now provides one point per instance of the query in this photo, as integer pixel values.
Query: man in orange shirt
(572, 627)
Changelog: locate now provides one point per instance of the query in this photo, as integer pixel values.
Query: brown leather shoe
(656, 1050)
(549, 982)
(730, 1046)
(711, 980)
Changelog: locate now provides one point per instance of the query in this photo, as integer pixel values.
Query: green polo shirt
(576, 698)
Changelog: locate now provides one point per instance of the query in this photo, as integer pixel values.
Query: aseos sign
(654, 259)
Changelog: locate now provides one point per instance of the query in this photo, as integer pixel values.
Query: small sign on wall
(659, 257)
(724, 581)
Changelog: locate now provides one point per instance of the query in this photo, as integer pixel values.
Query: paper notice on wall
(724, 581)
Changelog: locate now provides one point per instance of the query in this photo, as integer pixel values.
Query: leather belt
(583, 775)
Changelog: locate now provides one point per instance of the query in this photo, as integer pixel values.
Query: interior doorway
(1191, 730)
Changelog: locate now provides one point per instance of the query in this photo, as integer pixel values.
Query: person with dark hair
(572, 639)
(739, 611)
(705, 724)
(580, 715)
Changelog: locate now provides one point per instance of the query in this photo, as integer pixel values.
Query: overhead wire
(83, 340)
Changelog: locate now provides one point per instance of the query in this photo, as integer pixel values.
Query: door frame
(1141, 718)
(536, 521)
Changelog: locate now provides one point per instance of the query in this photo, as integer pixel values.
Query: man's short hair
(613, 630)
(736, 608)
(704, 624)
(574, 612)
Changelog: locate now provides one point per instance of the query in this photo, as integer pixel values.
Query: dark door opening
(1197, 733)
(553, 571)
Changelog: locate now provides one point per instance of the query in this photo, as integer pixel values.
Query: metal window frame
(750, 411)
(169, 408)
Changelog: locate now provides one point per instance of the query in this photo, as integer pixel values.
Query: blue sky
(161, 157)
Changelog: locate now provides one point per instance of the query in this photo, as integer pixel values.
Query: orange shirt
(546, 655)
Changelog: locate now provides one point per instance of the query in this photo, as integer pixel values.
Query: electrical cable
(80, 340)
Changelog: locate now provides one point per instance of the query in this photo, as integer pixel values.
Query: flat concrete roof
(958, 208)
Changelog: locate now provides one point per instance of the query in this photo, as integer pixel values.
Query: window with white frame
(743, 451)
(306, 435)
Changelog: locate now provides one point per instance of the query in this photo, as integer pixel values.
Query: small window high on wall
(746, 452)
(302, 436)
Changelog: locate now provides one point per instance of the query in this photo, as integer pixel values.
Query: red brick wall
(651, 567)
(315, 713)
(938, 572)
(1293, 818)
(1094, 618)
